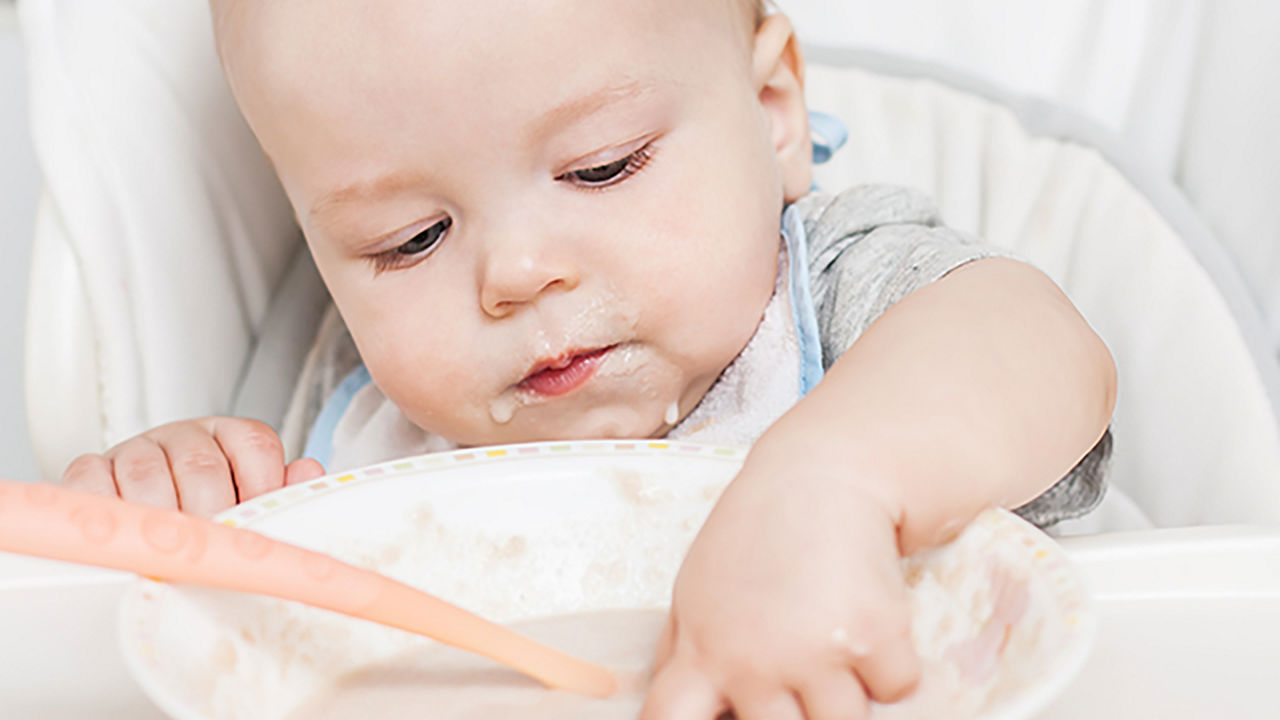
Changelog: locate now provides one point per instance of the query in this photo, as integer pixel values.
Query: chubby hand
(790, 604)
(200, 466)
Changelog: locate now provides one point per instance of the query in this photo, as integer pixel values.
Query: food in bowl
(526, 533)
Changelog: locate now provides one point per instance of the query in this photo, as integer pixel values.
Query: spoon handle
(60, 524)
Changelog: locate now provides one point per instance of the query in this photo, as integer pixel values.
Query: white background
(18, 186)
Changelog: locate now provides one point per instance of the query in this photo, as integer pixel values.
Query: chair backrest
(1196, 432)
(168, 279)
(162, 234)
(1192, 86)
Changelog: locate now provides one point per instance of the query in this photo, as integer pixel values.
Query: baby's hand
(201, 466)
(790, 604)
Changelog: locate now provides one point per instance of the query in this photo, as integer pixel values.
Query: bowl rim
(251, 511)
(1026, 703)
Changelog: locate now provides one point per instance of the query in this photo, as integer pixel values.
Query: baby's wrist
(926, 508)
(781, 462)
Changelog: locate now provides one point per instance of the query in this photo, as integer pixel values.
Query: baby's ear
(778, 71)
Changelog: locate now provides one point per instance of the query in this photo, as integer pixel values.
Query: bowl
(523, 532)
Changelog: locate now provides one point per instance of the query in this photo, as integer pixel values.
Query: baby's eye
(609, 173)
(426, 239)
(418, 245)
(602, 173)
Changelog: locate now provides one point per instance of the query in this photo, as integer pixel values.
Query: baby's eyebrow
(584, 105)
(384, 185)
(543, 125)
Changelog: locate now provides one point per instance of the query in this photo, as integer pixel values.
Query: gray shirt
(868, 248)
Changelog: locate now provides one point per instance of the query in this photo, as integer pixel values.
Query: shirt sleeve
(871, 246)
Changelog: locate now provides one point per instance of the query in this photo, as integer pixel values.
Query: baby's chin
(593, 424)
(597, 424)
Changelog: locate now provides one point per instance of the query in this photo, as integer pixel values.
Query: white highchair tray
(1189, 627)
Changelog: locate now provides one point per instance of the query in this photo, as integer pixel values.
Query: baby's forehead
(338, 91)
(278, 52)
(235, 20)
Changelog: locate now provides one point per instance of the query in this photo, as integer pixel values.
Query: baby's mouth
(565, 373)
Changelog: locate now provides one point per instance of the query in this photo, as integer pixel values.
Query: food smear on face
(503, 407)
(673, 413)
(443, 683)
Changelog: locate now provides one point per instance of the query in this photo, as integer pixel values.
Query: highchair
(169, 280)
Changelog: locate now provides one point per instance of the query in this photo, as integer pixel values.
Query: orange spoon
(52, 522)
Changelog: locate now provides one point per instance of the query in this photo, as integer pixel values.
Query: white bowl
(515, 533)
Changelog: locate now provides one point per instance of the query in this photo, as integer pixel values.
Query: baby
(594, 218)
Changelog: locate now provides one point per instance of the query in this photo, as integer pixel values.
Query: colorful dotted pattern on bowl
(291, 496)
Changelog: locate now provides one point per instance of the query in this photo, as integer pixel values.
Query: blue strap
(320, 439)
(803, 313)
(828, 133)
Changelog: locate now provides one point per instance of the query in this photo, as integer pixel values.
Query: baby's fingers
(893, 670)
(679, 691)
(302, 470)
(90, 473)
(255, 454)
(142, 473)
(201, 472)
(755, 700)
(835, 695)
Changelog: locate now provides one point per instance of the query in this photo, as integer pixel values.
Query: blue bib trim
(320, 439)
(803, 313)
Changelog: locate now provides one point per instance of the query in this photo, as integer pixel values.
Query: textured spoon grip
(52, 522)
(44, 520)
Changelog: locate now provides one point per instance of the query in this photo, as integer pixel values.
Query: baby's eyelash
(417, 247)
(611, 173)
(384, 261)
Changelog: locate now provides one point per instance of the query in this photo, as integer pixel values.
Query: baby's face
(538, 219)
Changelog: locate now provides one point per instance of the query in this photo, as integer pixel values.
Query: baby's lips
(564, 375)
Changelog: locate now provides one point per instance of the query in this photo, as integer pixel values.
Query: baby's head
(492, 188)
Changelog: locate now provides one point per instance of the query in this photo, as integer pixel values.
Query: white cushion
(176, 230)
(1191, 85)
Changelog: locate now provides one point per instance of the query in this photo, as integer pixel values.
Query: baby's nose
(516, 272)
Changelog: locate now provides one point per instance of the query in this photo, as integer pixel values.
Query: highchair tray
(1188, 624)
(1189, 621)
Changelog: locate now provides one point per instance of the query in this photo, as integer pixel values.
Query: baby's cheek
(431, 388)
(442, 411)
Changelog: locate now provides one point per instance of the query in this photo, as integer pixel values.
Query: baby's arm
(983, 388)
(201, 466)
